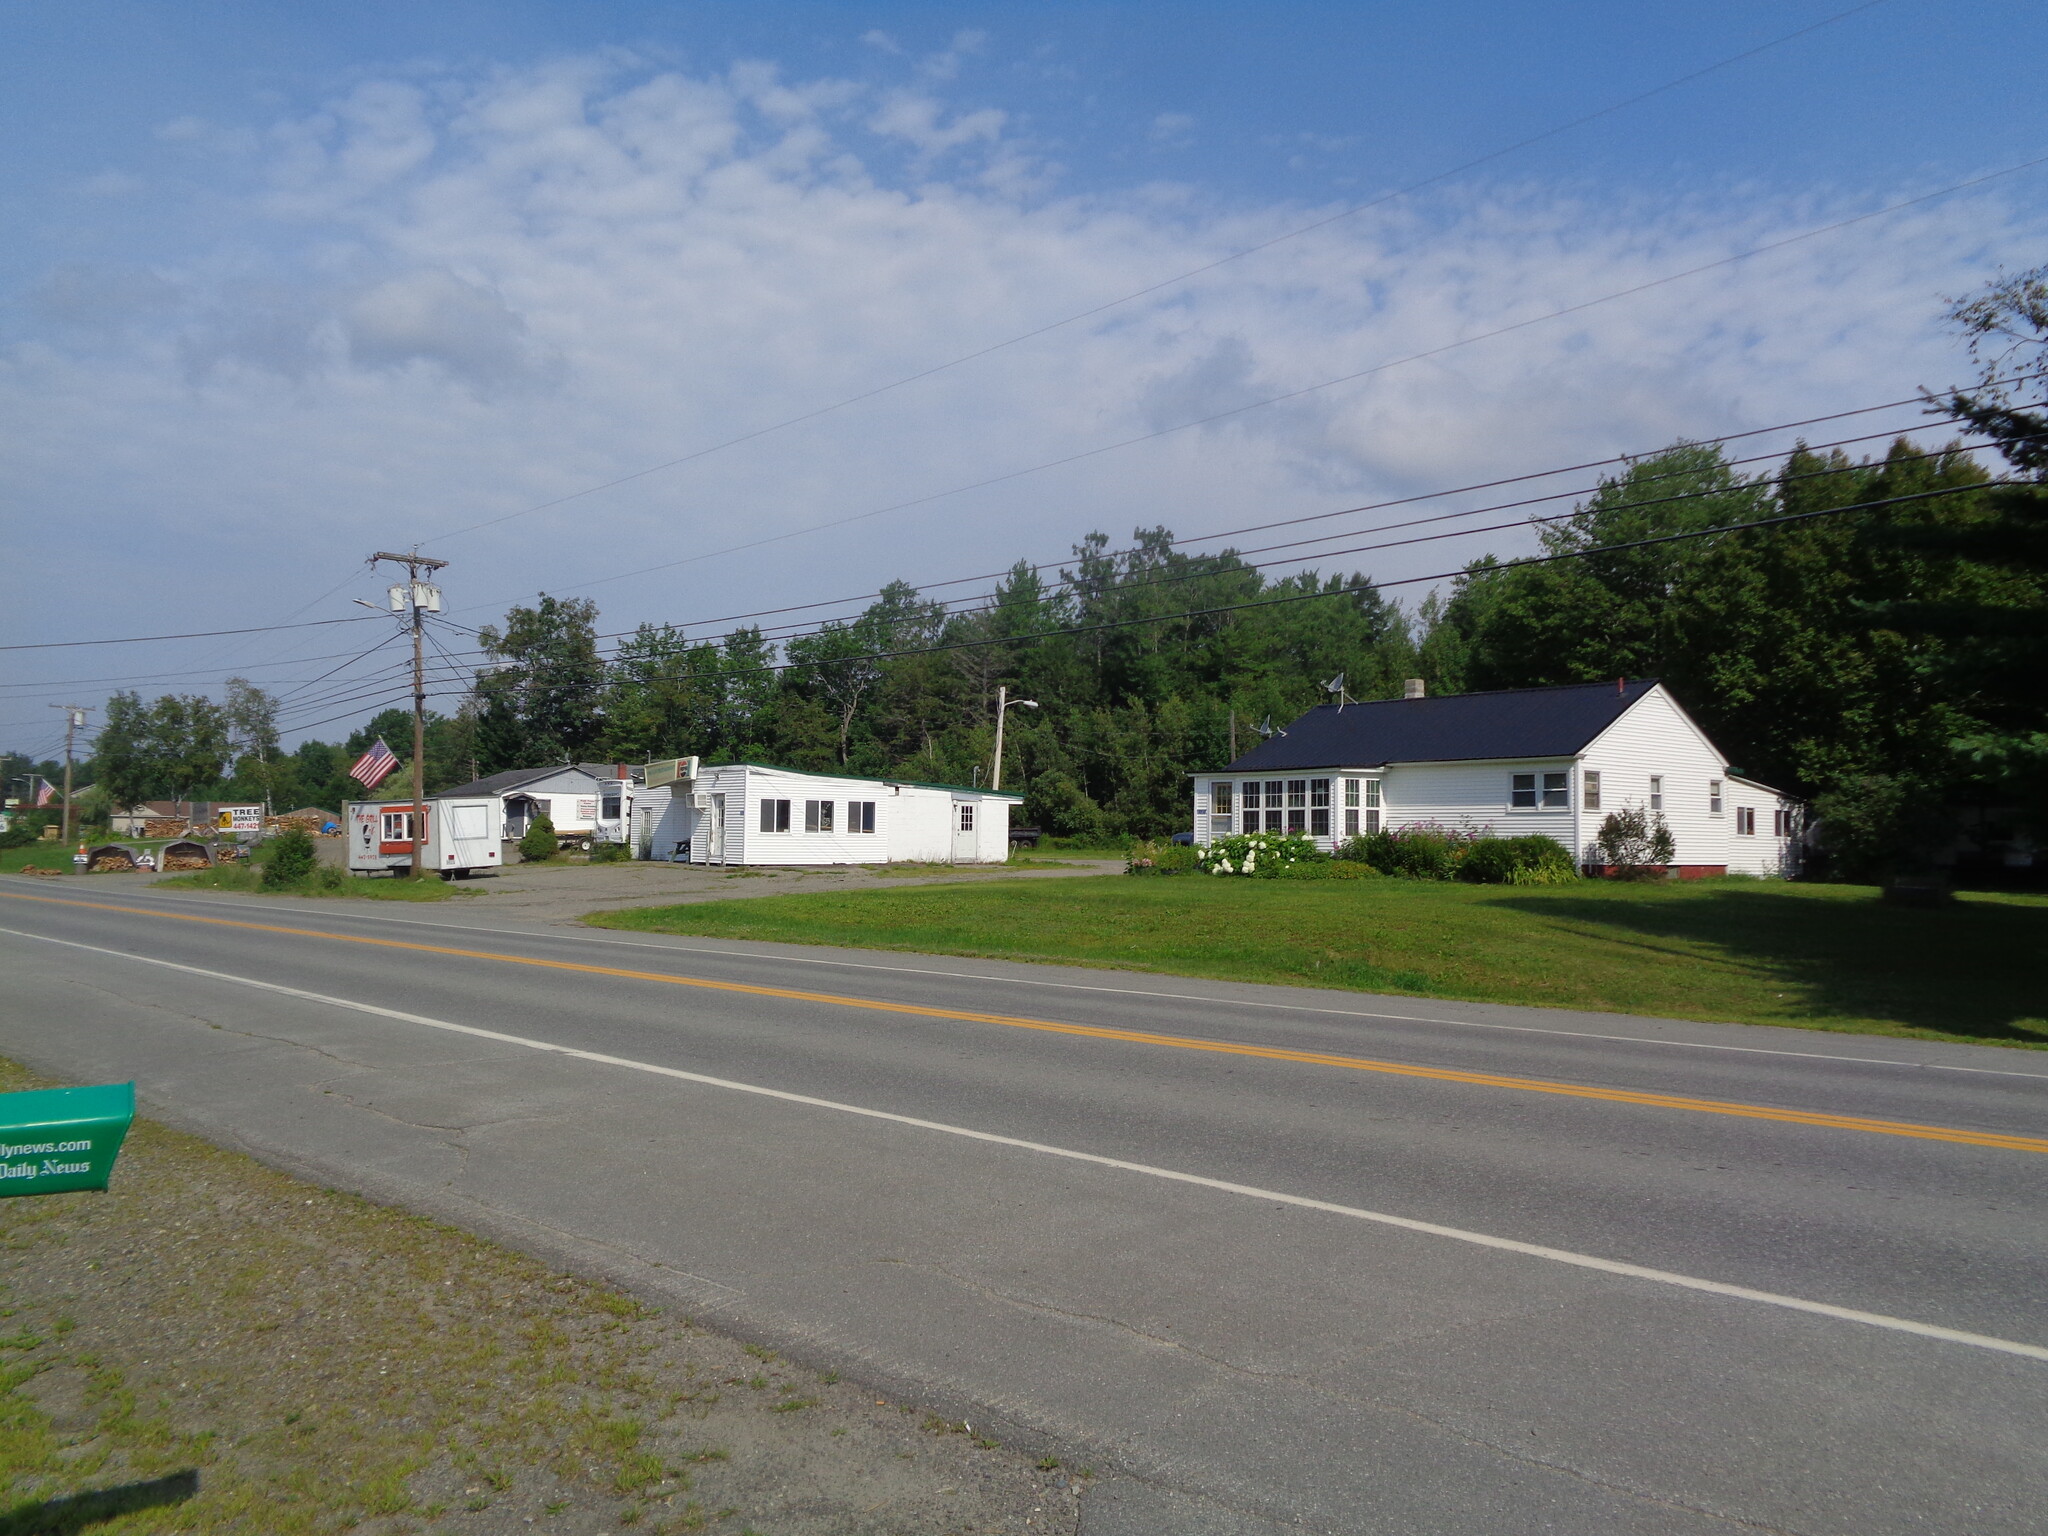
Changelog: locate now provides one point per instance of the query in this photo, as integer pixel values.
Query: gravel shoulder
(214, 1346)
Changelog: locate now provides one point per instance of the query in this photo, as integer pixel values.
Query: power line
(200, 634)
(1398, 501)
(1164, 283)
(1308, 389)
(983, 602)
(1366, 586)
(1359, 587)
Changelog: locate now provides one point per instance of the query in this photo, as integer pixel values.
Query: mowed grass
(1810, 956)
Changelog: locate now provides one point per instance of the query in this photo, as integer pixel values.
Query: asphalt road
(1268, 1259)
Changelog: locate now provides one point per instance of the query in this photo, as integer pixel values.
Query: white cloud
(453, 300)
(1174, 130)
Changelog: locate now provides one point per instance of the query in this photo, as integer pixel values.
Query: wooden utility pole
(74, 717)
(418, 596)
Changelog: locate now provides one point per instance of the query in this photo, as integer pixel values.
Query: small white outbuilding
(751, 813)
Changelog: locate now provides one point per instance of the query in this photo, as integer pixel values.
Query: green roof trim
(812, 773)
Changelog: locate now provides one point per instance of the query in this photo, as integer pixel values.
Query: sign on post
(55, 1139)
(239, 818)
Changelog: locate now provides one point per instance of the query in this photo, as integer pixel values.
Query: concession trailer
(461, 836)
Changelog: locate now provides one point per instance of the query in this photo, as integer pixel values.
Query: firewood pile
(109, 861)
(166, 826)
(184, 856)
(37, 869)
(307, 824)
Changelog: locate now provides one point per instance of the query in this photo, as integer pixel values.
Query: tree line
(1889, 662)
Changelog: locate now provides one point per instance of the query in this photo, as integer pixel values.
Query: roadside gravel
(213, 1346)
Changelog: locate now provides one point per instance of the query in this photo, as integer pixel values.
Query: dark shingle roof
(1516, 722)
(513, 778)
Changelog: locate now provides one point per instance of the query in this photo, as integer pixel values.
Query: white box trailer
(461, 836)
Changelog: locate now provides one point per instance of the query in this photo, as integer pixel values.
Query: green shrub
(1877, 825)
(1261, 856)
(610, 853)
(1161, 859)
(540, 843)
(1350, 869)
(20, 835)
(1518, 861)
(329, 877)
(1635, 843)
(291, 859)
(1421, 850)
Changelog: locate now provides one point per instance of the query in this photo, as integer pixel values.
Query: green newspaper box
(54, 1139)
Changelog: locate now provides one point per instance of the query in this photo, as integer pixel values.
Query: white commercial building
(749, 813)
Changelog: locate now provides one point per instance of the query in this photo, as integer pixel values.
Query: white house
(583, 800)
(749, 813)
(1550, 761)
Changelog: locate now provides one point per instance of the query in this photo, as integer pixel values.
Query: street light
(1004, 704)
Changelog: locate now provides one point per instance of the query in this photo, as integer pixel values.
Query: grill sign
(56, 1139)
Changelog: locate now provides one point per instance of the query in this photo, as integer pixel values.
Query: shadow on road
(81, 1511)
(1978, 968)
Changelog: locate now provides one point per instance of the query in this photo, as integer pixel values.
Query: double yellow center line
(1677, 1101)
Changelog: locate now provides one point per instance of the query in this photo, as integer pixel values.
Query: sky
(702, 310)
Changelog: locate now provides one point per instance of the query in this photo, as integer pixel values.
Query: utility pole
(74, 717)
(1004, 704)
(419, 598)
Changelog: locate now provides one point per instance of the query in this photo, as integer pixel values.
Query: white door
(965, 847)
(714, 829)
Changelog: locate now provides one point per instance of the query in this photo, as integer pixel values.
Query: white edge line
(1177, 997)
(1357, 1213)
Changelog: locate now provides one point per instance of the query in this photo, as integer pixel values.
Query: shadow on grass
(81, 1511)
(1975, 969)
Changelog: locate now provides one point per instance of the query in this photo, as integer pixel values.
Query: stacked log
(165, 826)
(184, 856)
(108, 861)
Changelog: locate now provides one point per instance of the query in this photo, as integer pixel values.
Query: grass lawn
(1753, 952)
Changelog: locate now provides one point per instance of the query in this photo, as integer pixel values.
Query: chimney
(624, 772)
(1413, 688)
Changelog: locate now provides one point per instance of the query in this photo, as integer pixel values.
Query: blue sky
(288, 282)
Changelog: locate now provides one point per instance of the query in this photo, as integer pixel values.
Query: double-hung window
(1656, 791)
(774, 815)
(1781, 822)
(1351, 808)
(1745, 821)
(1549, 791)
(1714, 799)
(1318, 807)
(817, 815)
(1589, 789)
(1219, 807)
(1297, 805)
(1276, 814)
(860, 815)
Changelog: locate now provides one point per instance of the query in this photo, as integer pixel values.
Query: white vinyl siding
(830, 819)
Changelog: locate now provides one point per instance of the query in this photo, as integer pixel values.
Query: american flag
(374, 766)
(45, 792)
